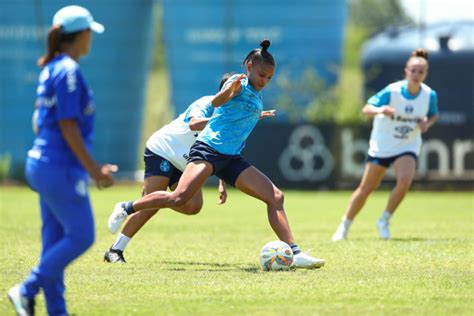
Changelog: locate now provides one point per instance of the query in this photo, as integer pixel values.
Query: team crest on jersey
(165, 166)
(409, 108)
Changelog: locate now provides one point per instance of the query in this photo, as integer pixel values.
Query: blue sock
(294, 247)
(128, 207)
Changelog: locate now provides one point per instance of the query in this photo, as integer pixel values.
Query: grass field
(208, 264)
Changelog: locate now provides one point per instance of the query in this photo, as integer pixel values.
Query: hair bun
(265, 44)
(420, 52)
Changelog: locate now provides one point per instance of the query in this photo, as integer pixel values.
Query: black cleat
(114, 256)
(23, 306)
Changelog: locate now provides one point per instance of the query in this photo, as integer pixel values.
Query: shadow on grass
(409, 239)
(210, 266)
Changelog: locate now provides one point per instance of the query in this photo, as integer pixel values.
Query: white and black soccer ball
(276, 256)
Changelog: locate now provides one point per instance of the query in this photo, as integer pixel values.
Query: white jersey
(173, 141)
(400, 133)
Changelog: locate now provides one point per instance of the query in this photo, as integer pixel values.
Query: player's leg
(404, 167)
(135, 222)
(254, 183)
(72, 209)
(23, 295)
(193, 178)
(193, 206)
(371, 179)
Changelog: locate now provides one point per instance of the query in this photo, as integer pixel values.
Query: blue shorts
(386, 162)
(225, 167)
(158, 166)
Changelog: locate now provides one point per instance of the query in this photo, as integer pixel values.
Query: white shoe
(303, 261)
(117, 217)
(341, 233)
(382, 227)
(23, 306)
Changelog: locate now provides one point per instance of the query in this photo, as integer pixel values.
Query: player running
(217, 151)
(402, 111)
(165, 159)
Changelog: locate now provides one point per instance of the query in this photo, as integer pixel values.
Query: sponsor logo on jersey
(403, 131)
(45, 101)
(405, 119)
(251, 108)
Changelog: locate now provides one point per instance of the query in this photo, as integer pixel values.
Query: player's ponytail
(55, 40)
(264, 45)
(260, 55)
(53, 45)
(420, 52)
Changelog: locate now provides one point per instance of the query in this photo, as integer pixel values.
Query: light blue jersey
(233, 121)
(383, 98)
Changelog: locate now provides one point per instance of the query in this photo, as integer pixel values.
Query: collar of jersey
(258, 93)
(406, 93)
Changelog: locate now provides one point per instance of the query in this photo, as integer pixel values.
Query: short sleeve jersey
(232, 123)
(173, 141)
(62, 94)
(400, 133)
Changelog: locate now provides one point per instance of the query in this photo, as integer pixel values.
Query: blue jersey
(62, 94)
(383, 98)
(233, 121)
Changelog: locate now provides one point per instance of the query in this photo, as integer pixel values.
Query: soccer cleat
(117, 217)
(382, 227)
(114, 256)
(23, 306)
(303, 261)
(341, 233)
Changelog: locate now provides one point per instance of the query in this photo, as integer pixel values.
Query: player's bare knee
(278, 198)
(404, 183)
(194, 209)
(366, 190)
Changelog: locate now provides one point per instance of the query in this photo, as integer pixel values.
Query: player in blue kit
(217, 151)
(402, 112)
(59, 163)
(165, 159)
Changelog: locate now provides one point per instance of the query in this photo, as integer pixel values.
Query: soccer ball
(276, 256)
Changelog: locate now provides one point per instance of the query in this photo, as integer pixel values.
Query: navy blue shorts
(226, 167)
(386, 162)
(158, 166)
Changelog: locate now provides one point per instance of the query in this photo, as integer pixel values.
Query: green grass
(208, 264)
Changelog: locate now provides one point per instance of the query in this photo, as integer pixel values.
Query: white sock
(121, 242)
(346, 222)
(385, 216)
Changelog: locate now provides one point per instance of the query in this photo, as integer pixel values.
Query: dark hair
(260, 55)
(55, 39)
(225, 77)
(420, 52)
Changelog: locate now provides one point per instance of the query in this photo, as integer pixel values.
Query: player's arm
(372, 110)
(222, 192)
(269, 113)
(426, 123)
(198, 123)
(432, 115)
(72, 135)
(378, 104)
(228, 92)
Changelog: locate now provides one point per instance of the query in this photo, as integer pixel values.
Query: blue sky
(439, 10)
